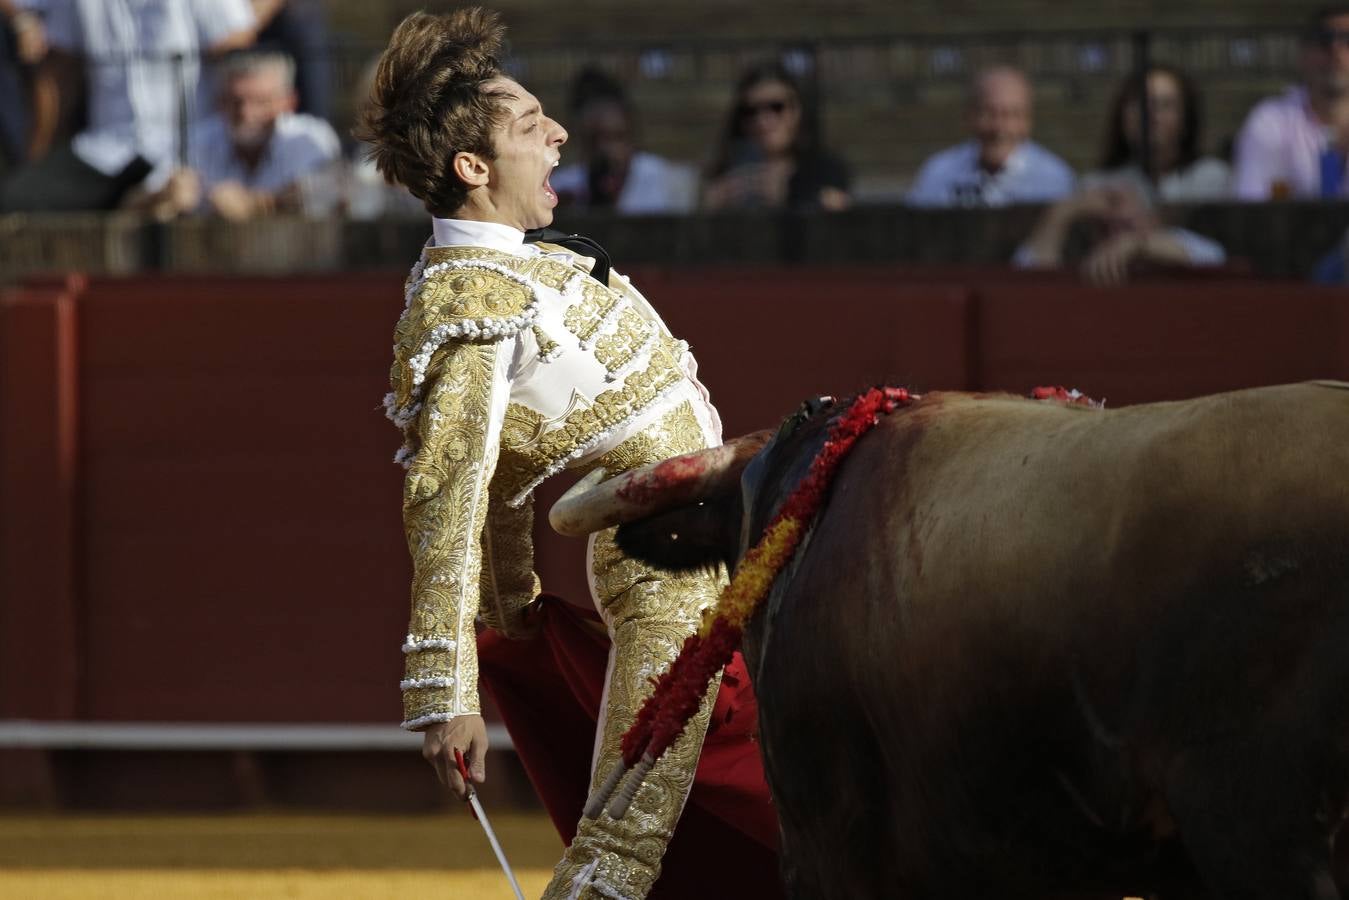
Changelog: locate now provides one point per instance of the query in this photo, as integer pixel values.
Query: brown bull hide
(1027, 641)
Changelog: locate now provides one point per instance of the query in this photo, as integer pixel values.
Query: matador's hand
(467, 734)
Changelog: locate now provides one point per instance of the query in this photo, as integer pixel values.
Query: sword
(475, 807)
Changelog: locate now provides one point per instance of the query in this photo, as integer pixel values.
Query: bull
(1031, 649)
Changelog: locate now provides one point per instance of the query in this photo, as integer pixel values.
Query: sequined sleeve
(445, 507)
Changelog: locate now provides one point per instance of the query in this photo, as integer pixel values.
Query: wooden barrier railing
(1284, 239)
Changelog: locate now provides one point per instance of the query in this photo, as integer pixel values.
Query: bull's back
(1016, 501)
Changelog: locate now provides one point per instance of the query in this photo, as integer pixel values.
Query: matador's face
(528, 145)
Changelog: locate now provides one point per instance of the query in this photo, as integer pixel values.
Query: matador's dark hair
(430, 100)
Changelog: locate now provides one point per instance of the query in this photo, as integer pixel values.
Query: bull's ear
(682, 539)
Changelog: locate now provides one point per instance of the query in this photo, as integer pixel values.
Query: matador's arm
(445, 508)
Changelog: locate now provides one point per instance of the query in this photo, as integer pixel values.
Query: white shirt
(300, 145)
(134, 84)
(653, 186)
(1280, 143)
(954, 177)
(492, 235)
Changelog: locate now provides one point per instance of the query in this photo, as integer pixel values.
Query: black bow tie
(576, 243)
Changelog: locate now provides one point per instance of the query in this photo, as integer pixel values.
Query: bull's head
(702, 507)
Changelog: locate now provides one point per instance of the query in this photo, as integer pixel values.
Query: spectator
(1000, 164)
(770, 153)
(142, 66)
(299, 29)
(613, 173)
(367, 194)
(1294, 145)
(23, 43)
(1123, 235)
(252, 156)
(1178, 173)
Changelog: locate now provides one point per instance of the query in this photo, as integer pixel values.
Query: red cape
(548, 688)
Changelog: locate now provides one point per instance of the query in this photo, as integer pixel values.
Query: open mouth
(548, 188)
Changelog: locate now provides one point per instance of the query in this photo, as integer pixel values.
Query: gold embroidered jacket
(507, 369)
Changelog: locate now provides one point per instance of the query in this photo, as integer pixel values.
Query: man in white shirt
(1295, 145)
(1000, 165)
(250, 157)
(142, 65)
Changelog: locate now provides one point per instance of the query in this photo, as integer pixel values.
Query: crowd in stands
(185, 107)
(170, 106)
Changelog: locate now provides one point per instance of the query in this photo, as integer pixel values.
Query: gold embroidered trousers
(649, 613)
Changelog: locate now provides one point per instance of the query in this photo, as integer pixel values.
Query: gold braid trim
(617, 349)
(585, 317)
(649, 614)
(456, 301)
(534, 448)
(678, 431)
(444, 510)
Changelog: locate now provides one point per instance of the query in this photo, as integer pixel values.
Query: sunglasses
(750, 110)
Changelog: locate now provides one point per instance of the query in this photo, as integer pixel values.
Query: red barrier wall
(767, 340)
(1159, 342)
(40, 622)
(212, 531)
(240, 525)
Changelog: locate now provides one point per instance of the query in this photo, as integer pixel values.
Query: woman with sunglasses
(769, 155)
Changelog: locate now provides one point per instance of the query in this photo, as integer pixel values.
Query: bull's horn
(593, 504)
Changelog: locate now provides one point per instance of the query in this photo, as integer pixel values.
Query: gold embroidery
(548, 347)
(551, 272)
(618, 348)
(585, 317)
(537, 449)
(521, 426)
(444, 509)
(649, 615)
(469, 292)
(525, 427)
(554, 274)
(456, 254)
(449, 299)
(678, 431)
(508, 583)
